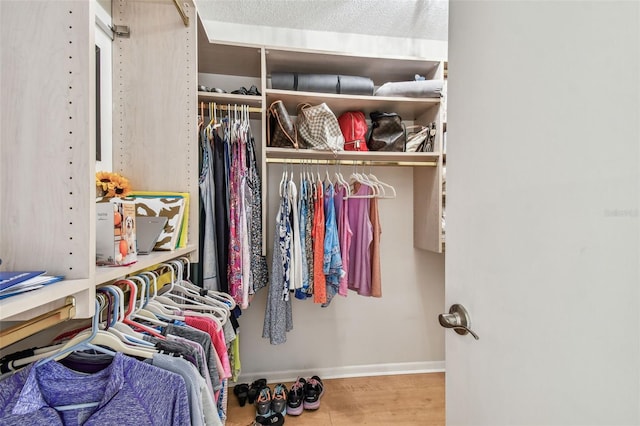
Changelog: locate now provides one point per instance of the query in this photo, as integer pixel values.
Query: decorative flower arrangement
(111, 185)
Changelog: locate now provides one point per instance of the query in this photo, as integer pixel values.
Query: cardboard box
(116, 232)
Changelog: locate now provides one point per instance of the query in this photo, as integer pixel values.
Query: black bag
(388, 132)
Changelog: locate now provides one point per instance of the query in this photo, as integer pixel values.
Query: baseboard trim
(347, 371)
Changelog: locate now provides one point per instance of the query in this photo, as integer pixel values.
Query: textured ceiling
(418, 19)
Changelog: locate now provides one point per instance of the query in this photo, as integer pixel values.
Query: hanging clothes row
(147, 358)
(327, 241)
(231, 218)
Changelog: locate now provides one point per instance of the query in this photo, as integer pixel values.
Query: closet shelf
(12, 306)
(380, 69)
(25, 329)
(230, 98)
(408, 108)
(105, 274)
(286, 155)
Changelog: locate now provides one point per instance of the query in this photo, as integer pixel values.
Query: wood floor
(415, 399)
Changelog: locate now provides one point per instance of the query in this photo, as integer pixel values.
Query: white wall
(359, 335)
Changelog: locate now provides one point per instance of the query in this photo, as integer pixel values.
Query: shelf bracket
(183, 15)
(18, 332)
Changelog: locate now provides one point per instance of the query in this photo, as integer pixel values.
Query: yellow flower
(112, 184)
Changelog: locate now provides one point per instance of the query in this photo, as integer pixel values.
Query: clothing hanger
(196, 302)
(361, 179)
(383, 185)
(127, 334)
(154, 305)
(141, 312)
(217, 296)
(128, 313)
(283, 179)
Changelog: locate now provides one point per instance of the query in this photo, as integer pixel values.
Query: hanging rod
(329, 162)
(183, 15)
(227, 108)
(39, 323)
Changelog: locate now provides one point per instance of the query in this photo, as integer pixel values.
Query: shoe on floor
(241, 391)
(279, 399)
(263, 402)
(313, 391)
(295, 398)
(254, 389)
(276, 419)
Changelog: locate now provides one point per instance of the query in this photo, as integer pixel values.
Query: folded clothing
(412, 89)
(323, 83)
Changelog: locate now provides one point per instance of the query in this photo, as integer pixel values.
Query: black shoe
(254, 389)
(313, 391)
(253, 90)
(273, 420)
(241, 391)
(240, 91)
(295, 397)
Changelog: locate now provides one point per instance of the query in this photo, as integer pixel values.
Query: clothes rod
(352, 162)
(183, 15)
(232, 108)
(28, 328)
(227, 107)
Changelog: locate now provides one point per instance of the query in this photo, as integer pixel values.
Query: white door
(543, 236)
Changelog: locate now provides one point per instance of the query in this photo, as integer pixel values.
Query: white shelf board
(310, 154)
(407, 108)
(33, 299)
(379, 69)
(230, 98)
(105, 274)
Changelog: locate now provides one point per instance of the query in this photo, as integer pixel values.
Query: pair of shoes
(254, 389)
(253, 90)
(241, 391)
(313, 391)
(275, 402)
(295, 399)
(263, 402)
(304, 394)
(279, 399)
(273, 420)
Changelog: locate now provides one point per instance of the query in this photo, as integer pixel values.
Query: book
(173, 206)
(36, 281)
(11, 278)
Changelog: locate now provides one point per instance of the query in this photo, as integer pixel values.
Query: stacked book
(18, 282)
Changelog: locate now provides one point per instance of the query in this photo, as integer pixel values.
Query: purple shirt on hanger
(129, 392)
(359, 276)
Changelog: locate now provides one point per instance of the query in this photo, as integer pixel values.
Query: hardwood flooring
(414, 399)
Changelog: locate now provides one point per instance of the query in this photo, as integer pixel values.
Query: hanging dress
(258, 260)
(376, 275)
(221, 211)
(278, 319)
(332, 260)
(360, 250)
(319, 280)
(341, 206)
(207, 195)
